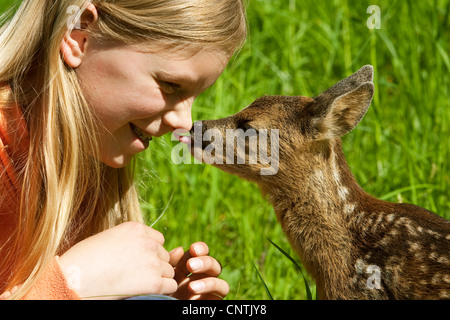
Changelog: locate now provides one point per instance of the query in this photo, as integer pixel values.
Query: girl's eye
(169, 87)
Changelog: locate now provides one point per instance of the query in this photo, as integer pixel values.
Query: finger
(209, 286)
(168, 286)
(181, 270)
(176, 255)
(163, 254)
(207, 297)
(204, 265)
(167, 270)
(198, 249)
(155, 235)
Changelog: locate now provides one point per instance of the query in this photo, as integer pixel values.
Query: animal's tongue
(183, 139)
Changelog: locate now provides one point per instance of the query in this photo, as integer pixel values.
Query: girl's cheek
(149, 107)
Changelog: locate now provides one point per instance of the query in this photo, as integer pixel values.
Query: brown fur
(338, 230)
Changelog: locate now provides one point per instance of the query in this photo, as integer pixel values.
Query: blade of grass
(163, 212)
(408, 188)
(308, 290)
(262, 280)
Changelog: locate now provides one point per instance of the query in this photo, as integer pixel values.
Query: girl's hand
(203, 283)
(123, 261)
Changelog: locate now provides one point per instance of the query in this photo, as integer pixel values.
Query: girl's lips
(140, 134)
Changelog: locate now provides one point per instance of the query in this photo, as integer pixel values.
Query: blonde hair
(67, 195)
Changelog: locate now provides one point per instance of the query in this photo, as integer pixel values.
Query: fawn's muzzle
(197, 132)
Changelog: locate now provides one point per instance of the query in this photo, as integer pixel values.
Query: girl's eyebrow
(177, 77)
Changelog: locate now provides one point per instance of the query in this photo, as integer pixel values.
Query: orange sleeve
(14, 144)
(52, 285)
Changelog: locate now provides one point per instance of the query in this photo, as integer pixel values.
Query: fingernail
(197, 286)
(199, 249)
(196, 264)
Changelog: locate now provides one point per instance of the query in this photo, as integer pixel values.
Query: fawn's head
(266, 137)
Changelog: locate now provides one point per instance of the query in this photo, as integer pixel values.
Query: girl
(85, 86)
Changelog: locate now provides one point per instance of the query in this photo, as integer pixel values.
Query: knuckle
(214, 265)
(158, 286)
(171, 272)
(173, 286)
(152, 246)
(154, 263)
(159, 237)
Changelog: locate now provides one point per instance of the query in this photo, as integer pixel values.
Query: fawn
(354, 245)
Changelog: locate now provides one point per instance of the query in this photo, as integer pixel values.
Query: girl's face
(137, 94)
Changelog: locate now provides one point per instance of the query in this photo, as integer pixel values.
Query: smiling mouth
(141, 135)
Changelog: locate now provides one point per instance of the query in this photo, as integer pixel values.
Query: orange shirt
(14, 143)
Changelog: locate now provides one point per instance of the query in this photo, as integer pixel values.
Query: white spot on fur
(402, 221)
(444, 295)
(377, 222)
(419, 254)
(436, 279)
(443, 259)
(385, 241)
(343, 192)
(414, 246)
(335, 172)
(411, 229)
(336, 176)
(349, 207)
(434, 234)
(433, 255)
(393, 232)
(319, 175)
(360, 266)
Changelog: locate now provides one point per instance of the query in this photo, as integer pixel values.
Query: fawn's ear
(338, 110)
(345, 112)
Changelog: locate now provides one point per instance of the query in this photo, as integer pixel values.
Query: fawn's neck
(324, 187)
(314, 205)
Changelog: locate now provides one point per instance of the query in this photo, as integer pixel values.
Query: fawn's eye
(245, 125)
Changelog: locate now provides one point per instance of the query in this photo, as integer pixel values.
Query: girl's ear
(73, 45)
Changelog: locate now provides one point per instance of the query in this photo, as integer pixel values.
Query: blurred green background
(400, 152)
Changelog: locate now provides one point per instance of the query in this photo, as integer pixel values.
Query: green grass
(399, 152)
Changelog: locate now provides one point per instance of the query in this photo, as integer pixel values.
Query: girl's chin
(121, 158)
(117, 162)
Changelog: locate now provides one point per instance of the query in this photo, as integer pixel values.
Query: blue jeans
(151, 297)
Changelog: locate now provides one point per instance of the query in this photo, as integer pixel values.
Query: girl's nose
(180, 117)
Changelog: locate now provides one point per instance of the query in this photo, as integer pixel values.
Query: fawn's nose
(197, 133)
(198, 126)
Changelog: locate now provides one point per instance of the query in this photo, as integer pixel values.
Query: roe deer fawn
(354, 245)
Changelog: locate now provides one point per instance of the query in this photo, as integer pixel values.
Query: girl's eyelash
(169, 87)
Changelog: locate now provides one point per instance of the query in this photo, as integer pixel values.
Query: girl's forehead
(189, 66)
